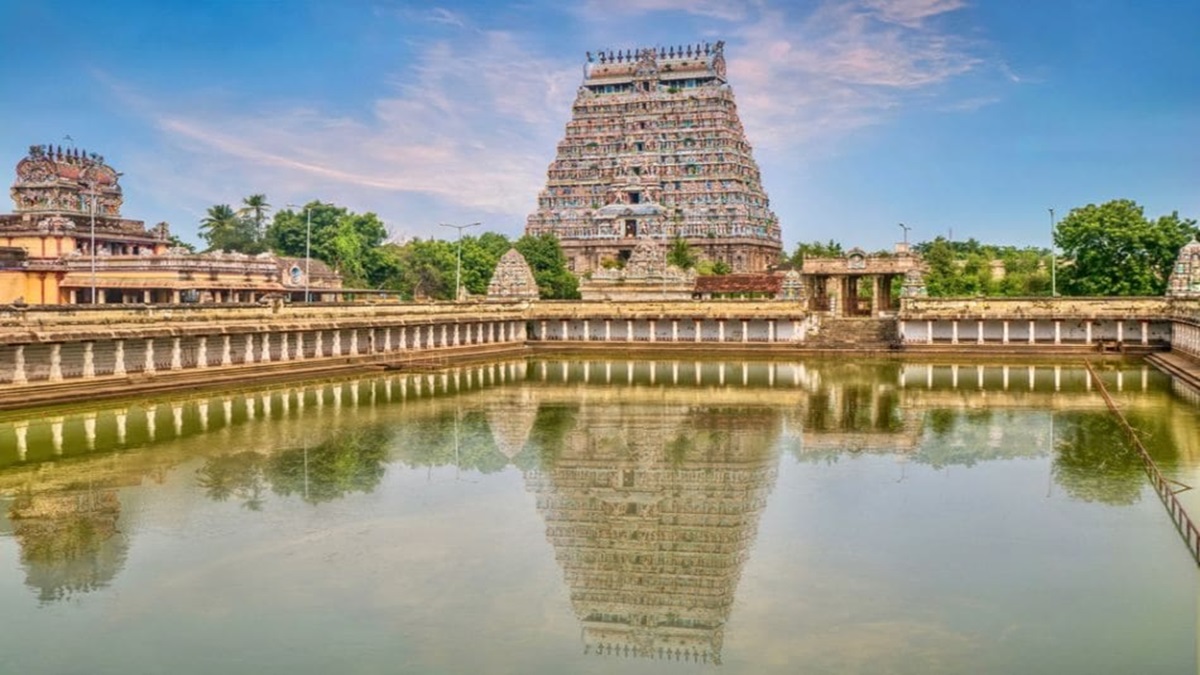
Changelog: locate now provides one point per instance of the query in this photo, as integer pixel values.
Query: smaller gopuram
(512, 279)
(1184, 281)
(646, 276)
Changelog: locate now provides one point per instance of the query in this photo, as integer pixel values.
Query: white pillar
(284, 350)
(674, 330)
(721, 331)
(1004, 333)
(202, 351)
(491, 336)
(1120, 331)
(319, 345)
(1057, 332)
(457, 335)
(56, 362)
(629, 331)
(336, 348)
(387, 339)
(929, 332)
(176, 353)
(353, 351)
(587, 330)
(1145, 332)
(954, 332)
(444, 331)
(1032, 331)
(608, 330)
(745, 330)
(89, 360)
(226, 350)
(265, 353)
(697, 324)
(979, 332)
(148, 364)
(903, 333)
(1087, 330)
(249, 348)
(564, 328)
(118, 357)
(771, 338)
(653, 331)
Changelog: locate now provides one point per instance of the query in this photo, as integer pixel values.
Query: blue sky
(974, 116)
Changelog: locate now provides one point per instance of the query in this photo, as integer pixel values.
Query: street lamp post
(307, 247)
(458, 268)
(1053, 258)
(906, 228)
(92, 194)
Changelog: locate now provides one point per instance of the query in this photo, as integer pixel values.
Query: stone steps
(853, 333)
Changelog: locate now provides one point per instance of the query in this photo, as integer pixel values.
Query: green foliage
(545, 257)
(815, 249)
(347, 241)
(1113, 249)
(964, 268)
(176, 242)
(223, 230)
(255, 209)
(708, 267)
(681, 254)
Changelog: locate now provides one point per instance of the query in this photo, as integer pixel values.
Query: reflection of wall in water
(651, 512)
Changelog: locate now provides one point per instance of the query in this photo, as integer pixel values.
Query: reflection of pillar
(1057, 378)
(251, 409)
(22, 430)
(954, 376)
(177, 418)
(227, 410)
(1004, 374)
(89, 430)
(56, 434)
(202, 413)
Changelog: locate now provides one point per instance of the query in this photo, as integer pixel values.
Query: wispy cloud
(727, 10)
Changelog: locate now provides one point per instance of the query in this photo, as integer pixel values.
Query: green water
(598, 517)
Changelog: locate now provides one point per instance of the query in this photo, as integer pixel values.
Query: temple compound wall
(655, 150)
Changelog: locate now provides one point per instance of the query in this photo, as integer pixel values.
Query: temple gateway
(655, 150)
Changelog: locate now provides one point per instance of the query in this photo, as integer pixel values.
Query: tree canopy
(347, 241)
(1114, 249)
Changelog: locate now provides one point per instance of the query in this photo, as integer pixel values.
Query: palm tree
(255, 206)
(220, 227)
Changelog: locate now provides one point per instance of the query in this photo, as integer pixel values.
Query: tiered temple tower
(655, 149)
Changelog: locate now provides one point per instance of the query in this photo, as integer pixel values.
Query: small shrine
(513, 279)
(1184, 281)
(646, 276)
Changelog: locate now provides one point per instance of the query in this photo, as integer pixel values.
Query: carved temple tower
(655, 149)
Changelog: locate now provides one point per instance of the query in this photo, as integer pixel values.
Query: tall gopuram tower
(655, 149)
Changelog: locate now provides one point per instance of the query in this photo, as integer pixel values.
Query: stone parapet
(1063, 308)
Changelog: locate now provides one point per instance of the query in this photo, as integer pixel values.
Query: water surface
(574, 516)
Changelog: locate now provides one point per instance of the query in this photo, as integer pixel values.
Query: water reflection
(652, 512)
(69, 540)
(348, 463)
(650, 476)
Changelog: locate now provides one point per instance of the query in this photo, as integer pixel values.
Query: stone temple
(655, 150)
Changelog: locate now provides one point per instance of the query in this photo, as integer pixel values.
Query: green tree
(223, 230)
(545, 257)
(349, 242)
(1113, 249)
(255, 208)
(815, 249)
(681, 254)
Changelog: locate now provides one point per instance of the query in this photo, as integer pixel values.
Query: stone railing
(1062, 308)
